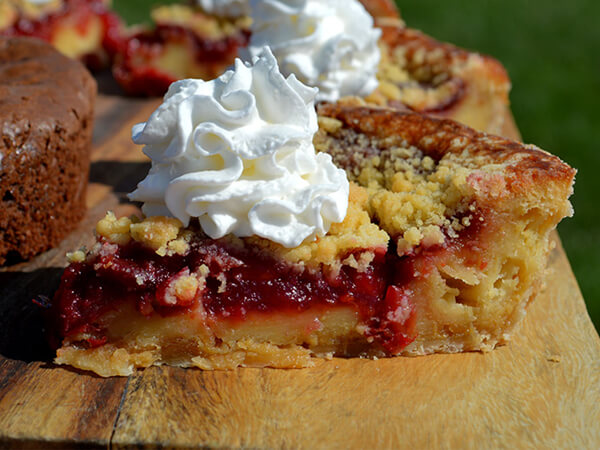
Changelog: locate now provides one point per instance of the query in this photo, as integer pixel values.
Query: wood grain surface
(541, 391)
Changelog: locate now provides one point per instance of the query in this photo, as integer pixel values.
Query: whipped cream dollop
(225, 8)
(330, 44)
(237, 153)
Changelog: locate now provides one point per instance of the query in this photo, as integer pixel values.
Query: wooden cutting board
(542, 390)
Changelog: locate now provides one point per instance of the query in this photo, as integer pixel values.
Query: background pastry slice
(347, 52)
(428, 76)
(184, 42)
(192, 41)
(82, 29)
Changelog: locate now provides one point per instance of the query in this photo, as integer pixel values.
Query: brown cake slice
(428, 76)
(46, 121)
(444, 245)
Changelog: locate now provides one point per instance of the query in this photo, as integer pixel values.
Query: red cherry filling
(232, 283)
(239, 282)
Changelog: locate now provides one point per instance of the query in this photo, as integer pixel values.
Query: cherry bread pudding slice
(83, 29)
(428, 76)
(185, 42)
(337, 47)
(444, 244)
(189, 41)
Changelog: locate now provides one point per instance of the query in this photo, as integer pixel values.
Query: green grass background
(552, 53)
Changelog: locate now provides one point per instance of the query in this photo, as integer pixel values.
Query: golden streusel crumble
(168, 236)
(396, 191)
(412, 197)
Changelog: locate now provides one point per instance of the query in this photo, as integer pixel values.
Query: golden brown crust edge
(446, 55)
(529, 167)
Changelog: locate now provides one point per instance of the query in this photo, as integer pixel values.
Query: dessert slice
(192, 42)
(468, 215)
(185, 42)
(427, 76)
(444, 245)
(84, 29)
(337, 47)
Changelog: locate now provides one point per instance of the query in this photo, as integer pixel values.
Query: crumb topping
(417, 194)
(356, 232)
(113, 229)
(183, 289)
(156, 232)
(165, 235)
(76, 256)
(396, 191)
(411, 197)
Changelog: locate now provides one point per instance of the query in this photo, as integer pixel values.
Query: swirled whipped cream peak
(237, 153)
(330, 44)
(225, 8)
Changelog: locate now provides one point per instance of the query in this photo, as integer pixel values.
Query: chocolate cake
(46, 117)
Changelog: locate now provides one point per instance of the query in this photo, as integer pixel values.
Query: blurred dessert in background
(192, 40)
(81, 29)
(443, 80)
(184, 42)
